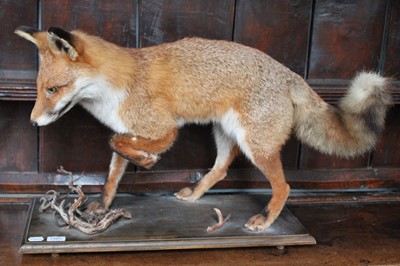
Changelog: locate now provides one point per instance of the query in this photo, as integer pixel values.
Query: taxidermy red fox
(145, 95)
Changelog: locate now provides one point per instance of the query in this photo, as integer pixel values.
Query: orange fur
(117, 168)
(254, 102)
(133, 147)
(217, 173)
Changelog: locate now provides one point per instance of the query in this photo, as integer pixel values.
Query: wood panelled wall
(325, 41)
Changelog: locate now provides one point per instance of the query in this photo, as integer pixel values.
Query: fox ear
(62, 42)
(27, 33)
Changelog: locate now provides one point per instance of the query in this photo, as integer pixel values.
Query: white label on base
(35, 238)
(56, 238)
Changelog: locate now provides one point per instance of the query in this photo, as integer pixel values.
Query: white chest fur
(103, 101)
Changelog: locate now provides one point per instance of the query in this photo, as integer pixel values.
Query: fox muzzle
(34, 123)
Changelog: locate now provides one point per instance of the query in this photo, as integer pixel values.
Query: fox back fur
(253, 101)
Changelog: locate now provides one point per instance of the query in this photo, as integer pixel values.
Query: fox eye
(52, 90)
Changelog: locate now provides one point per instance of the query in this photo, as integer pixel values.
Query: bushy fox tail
(349, 129)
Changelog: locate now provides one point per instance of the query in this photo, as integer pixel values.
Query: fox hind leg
(226, 152)
(272, 168)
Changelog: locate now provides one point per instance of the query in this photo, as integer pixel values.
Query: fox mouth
(63, 110)
(50, 117)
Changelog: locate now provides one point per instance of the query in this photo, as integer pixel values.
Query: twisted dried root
(221, 221)
(75, 218)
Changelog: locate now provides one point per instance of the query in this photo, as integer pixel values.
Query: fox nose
(34, 123)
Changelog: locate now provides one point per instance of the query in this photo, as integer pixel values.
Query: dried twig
(61, 170)
(221, 221)
(73, 216)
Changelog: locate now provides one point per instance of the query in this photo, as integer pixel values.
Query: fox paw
(141, 158)
(96, 208)
(186, 194)
(148, 161)
(258, 223)
(121, 144)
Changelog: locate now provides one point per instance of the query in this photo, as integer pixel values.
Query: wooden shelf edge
(375, 178)
(331, 90)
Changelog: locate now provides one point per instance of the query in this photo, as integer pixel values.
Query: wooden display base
(162, 222)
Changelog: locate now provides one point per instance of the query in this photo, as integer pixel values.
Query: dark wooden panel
(279, 28)
(170, 20)
(346, 37)
(113, 20)
(76, 141)
(392, 66)
(194, 149)
(290, 153)
(18, 141)
(17, 91)
(17, 56)
(387, 149)
(312, 159)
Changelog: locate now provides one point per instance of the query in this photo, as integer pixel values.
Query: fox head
(59, 54)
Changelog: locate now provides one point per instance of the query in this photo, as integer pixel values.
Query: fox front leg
(135, 149)
(141, 151)
(117, 168)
